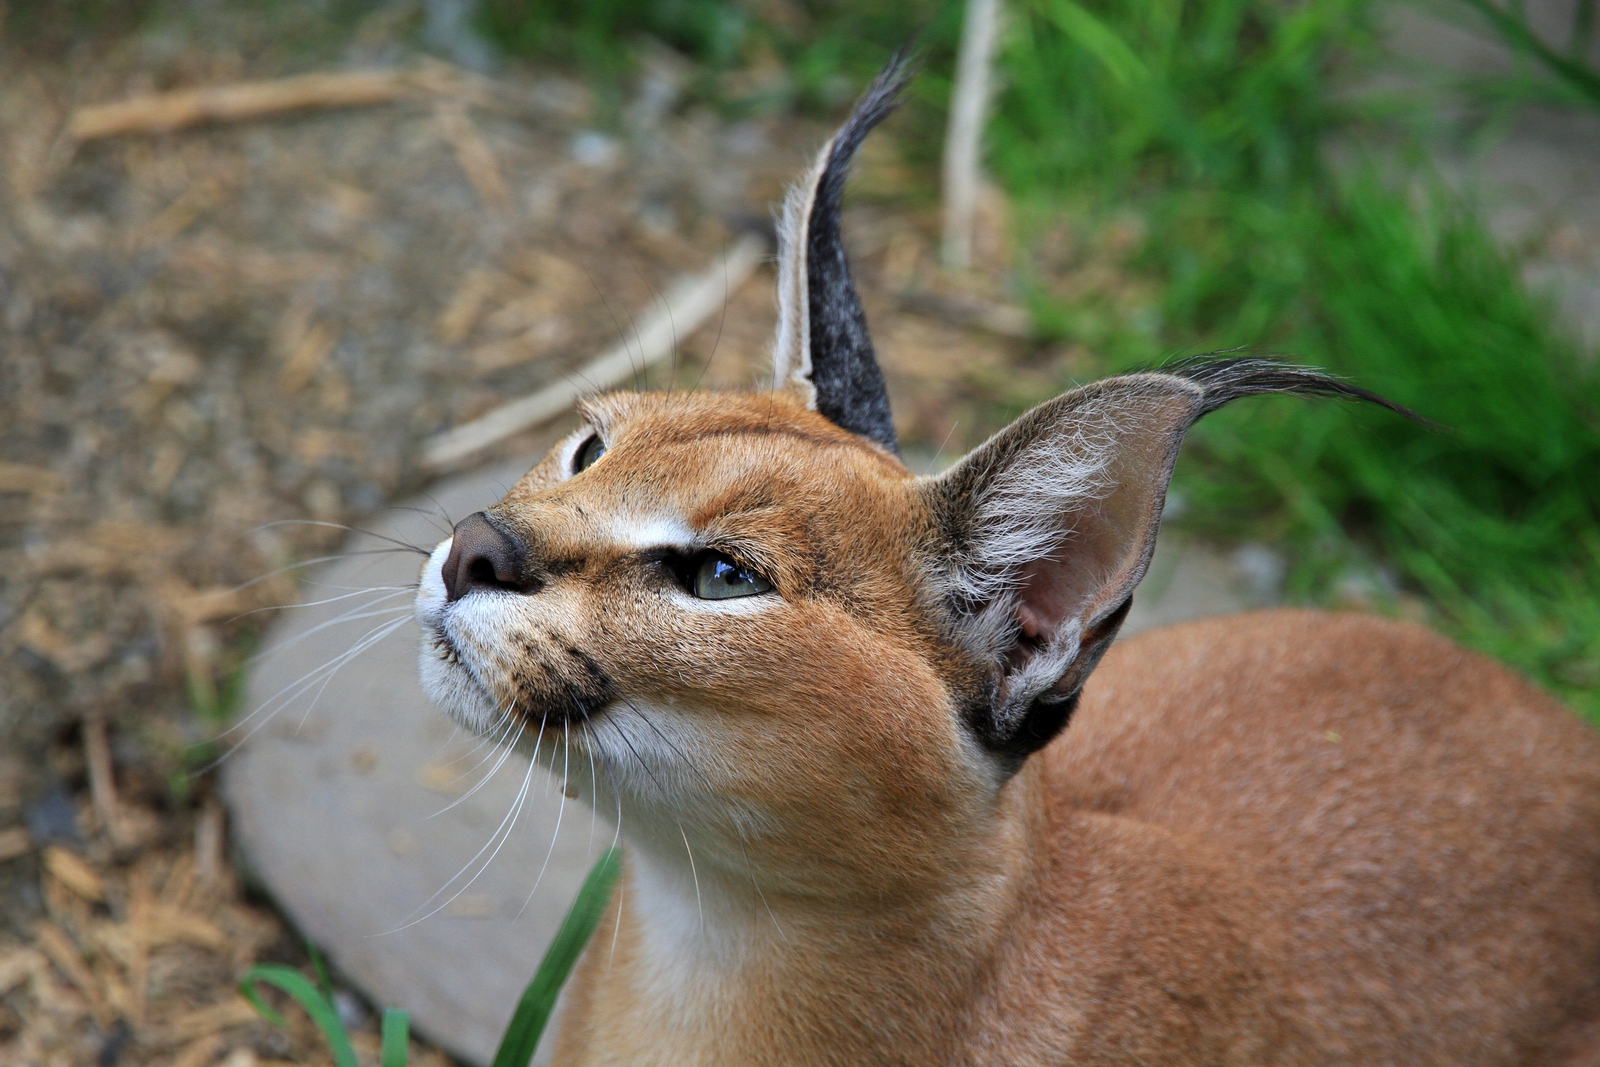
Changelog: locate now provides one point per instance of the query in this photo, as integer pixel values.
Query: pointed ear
(822, 350)
(1049, 526)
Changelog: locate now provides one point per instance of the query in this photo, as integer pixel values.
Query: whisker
(594, 785)
(328, 600)
(505, 754)
(305, 681)
(433, 517)
(933, 464)
(555, 834)
(617, 325)
(397, 542)
(356, 614)
(493, 734)
(672, 326)
(501, 832)
(738, 832)
(328, 669)
(694, 874)
(313, 561)
(692, 869)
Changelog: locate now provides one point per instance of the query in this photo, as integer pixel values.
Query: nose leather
(482, 556)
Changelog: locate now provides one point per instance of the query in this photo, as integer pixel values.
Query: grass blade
(533, 1010)
(319, 1007)
(396, 1038)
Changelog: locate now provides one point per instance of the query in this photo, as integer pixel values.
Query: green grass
(521, 1037)
(1210, 122)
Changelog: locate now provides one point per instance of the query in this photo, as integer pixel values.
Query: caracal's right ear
(1047, 528)
(822, 350)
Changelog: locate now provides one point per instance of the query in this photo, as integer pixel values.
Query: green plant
(827, 49)
(527, 1022)
(1209, 123)
(1571, 70)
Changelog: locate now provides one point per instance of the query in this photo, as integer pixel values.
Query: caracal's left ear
(1049, 525)
(822, 350)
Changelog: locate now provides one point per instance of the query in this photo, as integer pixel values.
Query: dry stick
(472, 153)
(164, 112)
(102, 779)
(968, 102)
(208, 840)
(684, 308)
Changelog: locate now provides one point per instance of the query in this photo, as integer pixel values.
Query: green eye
(719, 578)
(588, 453)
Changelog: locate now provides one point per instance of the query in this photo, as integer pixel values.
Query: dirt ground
(218, 347)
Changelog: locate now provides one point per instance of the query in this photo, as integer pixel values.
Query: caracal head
(739, 620)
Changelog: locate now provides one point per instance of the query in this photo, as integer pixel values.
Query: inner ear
(1107, 542)
(1051, 523)
(1056, 518)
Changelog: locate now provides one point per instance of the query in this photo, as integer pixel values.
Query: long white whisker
(556, 833)
(490, 736)
(328, 670)
(328, 600)
(693, 873)
(594, 784)
(502, 833)
(374, 636)
(743, 849)
(312, 562)
(493, 736)
(356, 614)
(505, 754)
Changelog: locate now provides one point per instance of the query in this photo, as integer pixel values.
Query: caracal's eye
(716, 577)
(588, 453)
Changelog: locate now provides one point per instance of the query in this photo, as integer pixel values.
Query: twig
(102, 779)
(684, 308)
(968, 102)
(208, 839)
(60, 950)
(472, 154)
(244, 101)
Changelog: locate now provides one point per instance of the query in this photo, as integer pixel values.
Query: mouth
(475, 680)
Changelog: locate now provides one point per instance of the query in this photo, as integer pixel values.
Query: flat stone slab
(358, 804)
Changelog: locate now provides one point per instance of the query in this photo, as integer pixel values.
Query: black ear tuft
(1226, 380)
(823, 341)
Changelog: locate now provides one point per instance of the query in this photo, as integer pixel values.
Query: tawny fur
(854, 828)
(1279, 838)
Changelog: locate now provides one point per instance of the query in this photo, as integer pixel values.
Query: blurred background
(254, 255)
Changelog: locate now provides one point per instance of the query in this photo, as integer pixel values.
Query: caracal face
(736, 622)
(604, 644)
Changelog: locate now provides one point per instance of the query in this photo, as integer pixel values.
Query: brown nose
(483, 556)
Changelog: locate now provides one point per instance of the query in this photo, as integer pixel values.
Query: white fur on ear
(791, 347)
(1057, 517)
(1051, 523)
(823, 350)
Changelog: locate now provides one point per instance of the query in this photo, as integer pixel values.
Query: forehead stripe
(651, 531)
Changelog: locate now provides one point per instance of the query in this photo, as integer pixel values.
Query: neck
(720, 960)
